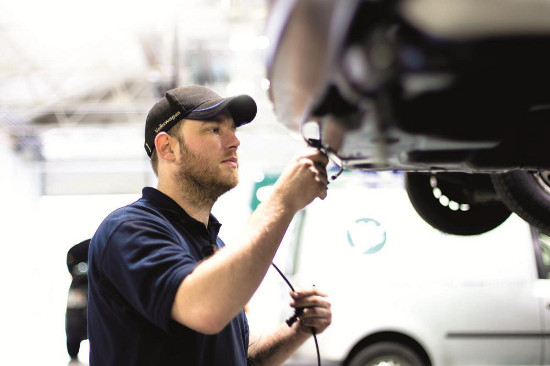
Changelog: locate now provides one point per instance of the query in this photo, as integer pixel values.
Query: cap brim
(242, 107)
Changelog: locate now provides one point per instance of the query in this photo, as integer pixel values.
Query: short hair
(174, 132)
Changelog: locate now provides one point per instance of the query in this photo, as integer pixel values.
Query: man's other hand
(316, 313)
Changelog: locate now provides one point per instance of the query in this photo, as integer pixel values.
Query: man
(158, 293)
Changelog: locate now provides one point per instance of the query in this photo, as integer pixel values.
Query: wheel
(386, 354)
(527, 194)
(456, 203)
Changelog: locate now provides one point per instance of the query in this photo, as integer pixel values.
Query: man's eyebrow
(212, 120)
(218, 118)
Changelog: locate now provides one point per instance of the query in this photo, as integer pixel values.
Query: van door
(467, 300)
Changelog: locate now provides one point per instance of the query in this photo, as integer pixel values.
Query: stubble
(200, 180)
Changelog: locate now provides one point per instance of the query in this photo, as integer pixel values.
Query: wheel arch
(389, 336)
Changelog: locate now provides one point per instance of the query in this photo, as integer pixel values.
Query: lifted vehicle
(455, 93)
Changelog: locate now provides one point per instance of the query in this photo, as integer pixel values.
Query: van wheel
(527, 194)
(456, 203)
(387, 354)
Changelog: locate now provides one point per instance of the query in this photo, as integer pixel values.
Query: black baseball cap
(194, 102)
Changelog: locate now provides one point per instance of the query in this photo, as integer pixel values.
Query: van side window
(544, 241)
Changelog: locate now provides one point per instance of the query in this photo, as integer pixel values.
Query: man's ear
(165, 146)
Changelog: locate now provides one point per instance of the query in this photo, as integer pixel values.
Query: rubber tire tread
(478, 220)
(519, 190)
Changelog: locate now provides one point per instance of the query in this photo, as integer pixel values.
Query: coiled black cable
(297, 313)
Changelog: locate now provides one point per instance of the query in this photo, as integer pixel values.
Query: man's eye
(213, 129)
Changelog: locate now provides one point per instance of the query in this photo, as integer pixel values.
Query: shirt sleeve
(146, 264)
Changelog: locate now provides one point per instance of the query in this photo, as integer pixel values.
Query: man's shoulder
(137, 213)
(140, 209)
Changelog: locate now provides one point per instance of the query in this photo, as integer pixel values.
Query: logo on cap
(161, 126)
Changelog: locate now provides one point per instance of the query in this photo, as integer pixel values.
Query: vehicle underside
(454, 93)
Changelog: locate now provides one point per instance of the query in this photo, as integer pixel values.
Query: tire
(387, 353)
(527, 194)
(456, 203)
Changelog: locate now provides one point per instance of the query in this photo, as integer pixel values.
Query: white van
(404, 293)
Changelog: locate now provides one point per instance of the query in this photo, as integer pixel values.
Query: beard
(201, 181)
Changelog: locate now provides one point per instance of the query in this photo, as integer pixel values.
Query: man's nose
(233, 140)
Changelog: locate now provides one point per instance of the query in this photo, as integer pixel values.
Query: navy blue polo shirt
(138, 257)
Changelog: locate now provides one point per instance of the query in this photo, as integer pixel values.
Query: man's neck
(194, 204)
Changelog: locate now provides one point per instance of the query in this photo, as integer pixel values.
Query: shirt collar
(167, 204)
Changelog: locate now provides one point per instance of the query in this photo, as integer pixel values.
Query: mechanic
(164, 289)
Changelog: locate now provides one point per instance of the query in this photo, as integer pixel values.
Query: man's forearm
(231, 276)
(276, 348)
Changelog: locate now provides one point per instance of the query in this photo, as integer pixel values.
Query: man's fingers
(319, 172)
(303, 180)
(313, 313)
(316, 301)
(308, 292)
(317, 156)
(319, 169)
(320, 176)
(316, 309)
(317, 318)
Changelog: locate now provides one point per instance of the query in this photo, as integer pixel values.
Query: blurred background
(76, 82)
